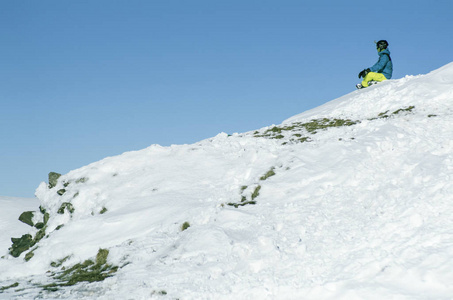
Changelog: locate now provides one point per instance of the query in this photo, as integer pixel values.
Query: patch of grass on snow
(3, 288)
(244, 201)
(161, 293)
(296, 129)
(386, 114)
(185, 225)
(59, 262)
(268, 174)
(299, 132)
(256, 192)
(88, 271)
(66, 206)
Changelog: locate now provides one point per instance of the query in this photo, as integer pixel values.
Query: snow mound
(350, 200)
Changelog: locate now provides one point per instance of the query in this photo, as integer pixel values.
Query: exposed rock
(27, 218)
(20, 245)
(66, 205)
(53, 179)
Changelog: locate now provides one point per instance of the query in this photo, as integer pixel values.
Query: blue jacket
(384, 64)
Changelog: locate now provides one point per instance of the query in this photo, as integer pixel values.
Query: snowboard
(370, 83)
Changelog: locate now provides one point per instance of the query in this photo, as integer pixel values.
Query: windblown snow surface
(363, 211)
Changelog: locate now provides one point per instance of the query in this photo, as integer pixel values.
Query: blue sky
(83, 80)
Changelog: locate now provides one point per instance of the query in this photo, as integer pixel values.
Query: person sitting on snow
(382, 70)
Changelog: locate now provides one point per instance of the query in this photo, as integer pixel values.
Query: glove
(364, 72)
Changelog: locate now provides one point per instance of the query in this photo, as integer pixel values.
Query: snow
(358, 212)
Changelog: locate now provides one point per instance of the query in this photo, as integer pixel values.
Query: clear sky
(82, 80)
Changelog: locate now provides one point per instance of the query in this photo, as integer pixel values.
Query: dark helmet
(381, 45)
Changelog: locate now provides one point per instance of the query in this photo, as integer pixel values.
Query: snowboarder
(382, 70)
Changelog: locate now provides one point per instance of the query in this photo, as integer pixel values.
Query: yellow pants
(372, 76)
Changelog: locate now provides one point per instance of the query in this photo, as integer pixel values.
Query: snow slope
(358, 210)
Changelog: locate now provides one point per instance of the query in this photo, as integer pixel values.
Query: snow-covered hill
(351, 200)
